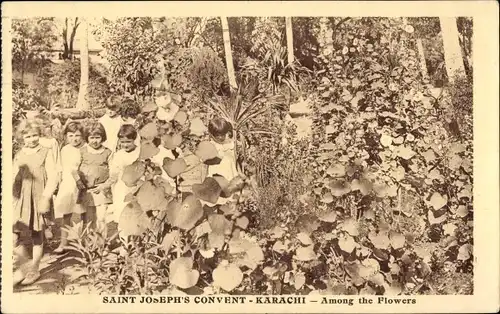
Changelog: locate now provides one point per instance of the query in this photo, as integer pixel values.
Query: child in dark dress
(94, 170)
(35, 180)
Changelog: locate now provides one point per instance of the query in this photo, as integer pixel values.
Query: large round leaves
(206, 151)
(208, 191)
(197, 127)
(149, 131)
(305, 253)
(182, 273)
(173, 168)
(171, 141)
(219, 226)
(227, 276)
(148, 151)
(133, 173)
(151, 197)
(133, 220)
(184, 214)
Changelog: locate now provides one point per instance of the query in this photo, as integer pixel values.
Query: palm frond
(251, 116)
(249, 110)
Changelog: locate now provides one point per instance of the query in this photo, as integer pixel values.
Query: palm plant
(242, 109)
(275, 59)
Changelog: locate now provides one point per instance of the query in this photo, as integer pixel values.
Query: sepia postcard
(250, 156)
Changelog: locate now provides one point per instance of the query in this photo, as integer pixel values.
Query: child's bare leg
(37, 237)
(100, 215)
(66, 221)
(84, 218)
(92, 215)
(34, 273)
(19, 250)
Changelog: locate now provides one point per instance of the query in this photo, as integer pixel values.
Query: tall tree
(69, 41)
(229, 54)
(197, 33)
(420, 50)
(82, 102)
(30, 38)
(289, 39)
(452, 51)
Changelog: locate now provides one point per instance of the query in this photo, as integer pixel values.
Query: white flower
(409, 29)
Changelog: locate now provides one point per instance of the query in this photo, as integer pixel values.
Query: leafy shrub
(24, 98)
(281, 168)
(376, 135)
(63, 83)
(207, 72)
(132, 48)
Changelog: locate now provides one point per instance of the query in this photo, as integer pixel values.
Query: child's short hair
(29, 126)
(129, 109)
(219, 126)
(97, 129)
(113, 102)
(127, 131)
(45, 123)
(73, 127)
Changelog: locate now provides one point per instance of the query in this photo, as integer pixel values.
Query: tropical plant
(242, 108)
(132, 47)
(30, 37)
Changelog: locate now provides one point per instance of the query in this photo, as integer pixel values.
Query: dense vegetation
(375, 199)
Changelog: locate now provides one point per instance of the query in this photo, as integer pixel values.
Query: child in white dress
(219, 130)
(66, 200)
(112, 123)
(127, 155)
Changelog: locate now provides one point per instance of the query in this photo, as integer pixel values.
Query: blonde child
(112, 123)
(69, 189)
(35, 181)
(47, 139)
(94, 170)
(127, 155)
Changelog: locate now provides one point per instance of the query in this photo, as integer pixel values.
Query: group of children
(84, 177)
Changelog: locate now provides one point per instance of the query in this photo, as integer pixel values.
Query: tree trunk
(72, 38)
(84, 69)
(65, 54)
(452, 51)
(198, 31)
(289, 39)
(421, 58)
(229, 54)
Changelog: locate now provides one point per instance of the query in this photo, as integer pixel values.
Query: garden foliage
(378, 200)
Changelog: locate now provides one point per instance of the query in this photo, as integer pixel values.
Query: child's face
(127, 144)
(95, 141)
(31, 139)
(112, 112)
(219, 138)
(74, 138)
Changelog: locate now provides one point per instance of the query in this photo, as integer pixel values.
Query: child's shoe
(31, 277)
